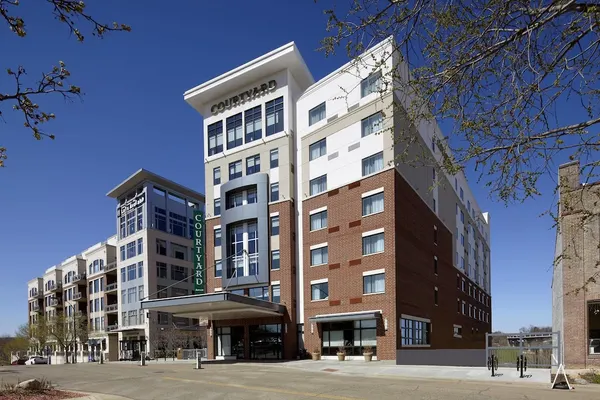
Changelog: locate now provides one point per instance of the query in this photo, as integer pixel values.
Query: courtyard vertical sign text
(199, 268)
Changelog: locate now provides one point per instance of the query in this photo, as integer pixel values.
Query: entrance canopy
(351, 316)
(215, 306)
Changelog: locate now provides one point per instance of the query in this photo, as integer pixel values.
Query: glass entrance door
(265, 342)
(237, 340)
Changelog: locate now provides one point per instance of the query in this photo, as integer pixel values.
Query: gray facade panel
(442, 357)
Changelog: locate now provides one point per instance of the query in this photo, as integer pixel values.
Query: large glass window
(274, 115)
(253, 118)
(253, 248)
(318, 185)
(177, 224)
(373, 244)
(414, 332)
(160, 219)
(243, 236)
(179, 273)
(317, 149)
(260, 293)
(374, 283)
(319, 256)
(318, 220)
(235, 169)
(235, 136)
(253, 164)
(372, 164)
(317, 114)
(275, 262)
(131, 222)
(235, 199)
(593, 327)
(140, 246)
(131, 249)
(179, 252)
(216, 176)
(161, 247)
(371, 84)
(140, 218)
(372, 124)
(131, 272)
(140, 269)
(215, 138)
(276, 293)
(319, 291)
(353, 336)
(131, 295)
(274, 157)
(372, 204)
(266, 342)
(161, 270)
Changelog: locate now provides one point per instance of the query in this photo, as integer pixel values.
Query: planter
(368, 356)
(316, 356)
(341, 356)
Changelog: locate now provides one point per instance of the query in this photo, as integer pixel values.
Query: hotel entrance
(230, 342)
(266, 342)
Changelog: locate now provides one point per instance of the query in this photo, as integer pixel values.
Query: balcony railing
(78, 296)
(111, 328)
(36, 295)
(111, 286)
(110, 267)
(112, 307)
(79, 277)
(54, 287)
(35, 307)
(54, 302)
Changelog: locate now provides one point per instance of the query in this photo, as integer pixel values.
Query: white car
(36, 360)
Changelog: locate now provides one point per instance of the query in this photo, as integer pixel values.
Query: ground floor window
(266, 342)
(352, 336)
(131, 348)
(415, 332)
(230, 341)
(594, 327)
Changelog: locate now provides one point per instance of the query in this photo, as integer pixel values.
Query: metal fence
(192, 354)
(541, 349)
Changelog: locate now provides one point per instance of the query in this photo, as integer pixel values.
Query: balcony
(111, 287)
(112, 308)
(54, 287)
(55, 302)
(111, 328)
(35, 307)
(78, 296)
(111, 267)
(36, 295)
(79, 277)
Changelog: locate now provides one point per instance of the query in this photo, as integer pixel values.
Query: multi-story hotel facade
(317, 238)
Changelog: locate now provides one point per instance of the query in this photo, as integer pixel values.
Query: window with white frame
(317, 114)
(373, 243)
(235, 169)
(457, 331)
(253, 164)
(243, 249)
(319, 290)
(275, 225)
(274, 158)
(235, 136)
(319, 256)
(372, 164)
(275, 260)
(318, 220)
(216, 175)
(373, 282)
(415, 332)
(371, 84)
(317, 149)
(372, 124)
(274, 189)
(372, 204)
(318, 185)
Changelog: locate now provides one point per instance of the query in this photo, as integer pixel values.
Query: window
(123, 277)
(435, 265)
(435, 296)
(131, 295)
(374, 283)
(275, 259)
(274, 191)
(160, 219)
(372, 204)
(133, 317)
(274, 157)
(372, 124)
(131, 272)
(457, 331)
(235, 199)
(163, 318)
(318, 220)
(462, 194)
(275, 225)
(161, 270)
(242, 236)
(435, 235)
(234, 131)
(373, 244)
(253, 119)
(140, 246)
(178, 273)
(462, 239)
(215, 138)
(415, 332)
(260, 293)
(251, 196)
(140, 269)
(141, 292)
(319, 256)
(318, 185)
(130, 249)
(274, 115)
(216, 176)
(276, 293)
(218, 268)
(316, 114)
(122, 255)
(179, 252)
(253, 164)
(354, 336)
(217, 207)
(462, 216)
(217, 237)
(235, 169)
(372, 164)
(131, 222)
(177, 292)
(319, 291)
(161, 292)
(317, 149)
(371, 84)
(177, 224)
(161, 247)
(462, 263)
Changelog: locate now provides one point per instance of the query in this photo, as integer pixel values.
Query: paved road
(269, 382)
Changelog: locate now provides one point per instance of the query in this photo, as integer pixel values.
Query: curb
(95, 396)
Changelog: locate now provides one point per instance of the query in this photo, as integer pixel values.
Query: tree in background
(22, 94)
(501, 73)
(535, 329)
(39, 331)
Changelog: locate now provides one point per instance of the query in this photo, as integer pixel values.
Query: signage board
(199, 267)
(131, 204)
(243, 96)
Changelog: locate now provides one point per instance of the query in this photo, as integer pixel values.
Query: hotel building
(317, 237)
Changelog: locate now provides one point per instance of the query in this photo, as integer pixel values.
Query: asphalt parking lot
(268, 381)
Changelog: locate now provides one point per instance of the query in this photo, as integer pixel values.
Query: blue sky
(53, 200)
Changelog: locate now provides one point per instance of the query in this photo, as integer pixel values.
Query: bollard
(198, 360)
(143, 359)
(101, 361)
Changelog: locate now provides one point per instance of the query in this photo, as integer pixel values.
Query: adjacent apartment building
(576, 283)
(149, 257)
(317, 238)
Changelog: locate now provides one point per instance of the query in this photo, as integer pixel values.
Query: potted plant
(316, 354)
(368, 353)
(341, 354)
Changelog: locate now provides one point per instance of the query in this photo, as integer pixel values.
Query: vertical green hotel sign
(199, 268)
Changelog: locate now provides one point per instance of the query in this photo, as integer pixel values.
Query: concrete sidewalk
(99, 396)
(390, 369)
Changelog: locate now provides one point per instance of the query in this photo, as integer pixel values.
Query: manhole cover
(329, 370)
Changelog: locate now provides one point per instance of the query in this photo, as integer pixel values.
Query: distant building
(576, 280)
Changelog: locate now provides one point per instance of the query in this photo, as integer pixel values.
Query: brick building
(316, 238)
(575, 285)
